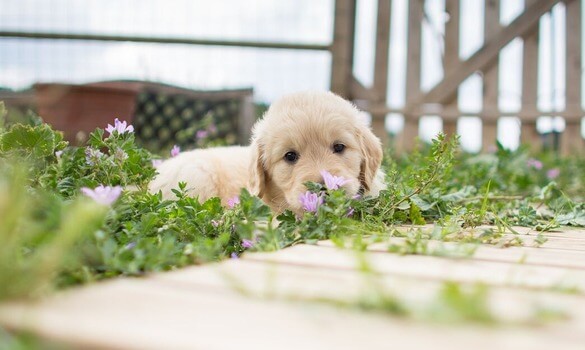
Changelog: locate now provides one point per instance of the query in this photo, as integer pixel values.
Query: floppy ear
(371, 150)
(257, 179)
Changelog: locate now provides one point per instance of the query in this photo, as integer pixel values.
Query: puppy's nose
(316, 179)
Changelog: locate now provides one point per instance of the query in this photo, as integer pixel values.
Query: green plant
(48, 216)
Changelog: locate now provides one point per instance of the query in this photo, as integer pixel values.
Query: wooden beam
(574, 61)
(485, 57)
(571, 139)
(490, 79)
(451, 60)
(413, 73)
(360, 92)
(162, 40)
(342, 47)
(528, 133)
(380, 86)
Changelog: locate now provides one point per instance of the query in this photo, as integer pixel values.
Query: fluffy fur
(308, 123)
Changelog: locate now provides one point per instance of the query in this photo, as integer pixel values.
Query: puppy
(299, 136)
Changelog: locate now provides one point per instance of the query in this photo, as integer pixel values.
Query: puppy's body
(214, 172)
(300, 135)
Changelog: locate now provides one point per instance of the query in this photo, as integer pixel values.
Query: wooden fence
(441, 100)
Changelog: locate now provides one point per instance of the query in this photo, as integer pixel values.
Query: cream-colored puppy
(299, 136)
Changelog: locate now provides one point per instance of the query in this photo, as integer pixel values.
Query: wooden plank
(561, 232)
(529, 112)
(571, 139)
(485, 57)
(381, 62)
(406, 140)
(342, 47)
(436, 268)
(551, 257)
(263, 298)
(451, 61)
(147, 314)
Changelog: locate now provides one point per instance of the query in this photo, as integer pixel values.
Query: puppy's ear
(371, 149)
(257, 179)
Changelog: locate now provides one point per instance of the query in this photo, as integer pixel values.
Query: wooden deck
(285, 300)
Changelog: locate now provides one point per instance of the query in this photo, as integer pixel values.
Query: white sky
(271, 72)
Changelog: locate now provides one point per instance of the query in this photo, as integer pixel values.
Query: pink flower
(246, 243)
(553, 173)
(212, 128)
(310, 201)
(234, 256)
(120, 155)
(214, 223)
(120, 127)
(333, 182)
(534, 163)
(105, 195)
(156, 163)
(350, 212)
(175, 151)
(201, 134)
(93, 156)
(232, 202)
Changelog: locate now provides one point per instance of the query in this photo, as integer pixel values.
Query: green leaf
(36, 141)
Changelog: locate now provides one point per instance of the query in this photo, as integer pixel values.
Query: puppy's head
(303, 134)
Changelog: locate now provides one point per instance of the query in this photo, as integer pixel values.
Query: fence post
(451, 62)
(529, 112)
(342, 47)
(571, 139)
(490, 80)
(413, 65)
(381, 67)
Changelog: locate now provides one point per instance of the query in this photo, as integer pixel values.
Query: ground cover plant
(72, 215)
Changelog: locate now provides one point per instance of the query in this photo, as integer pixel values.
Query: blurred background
(485, 69)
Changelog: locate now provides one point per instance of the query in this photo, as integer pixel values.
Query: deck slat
(268, 301)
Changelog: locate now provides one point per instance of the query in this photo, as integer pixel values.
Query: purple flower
(356, 196)
(310, 201)
(93, 156)
(156, 163)
(120, 155)
(534, 163)
(214, 223)
(234, 256)
(175, 151)
(201, 134)
(130, 245)
(212, 128)
(246, 243)
(58, 154)
(120, 127)
(105, 195)
(333, 182)
(553, 173)
(232, 202)
(350, 212)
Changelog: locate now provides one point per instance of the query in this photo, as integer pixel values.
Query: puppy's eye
(291, 157)
(338, 147)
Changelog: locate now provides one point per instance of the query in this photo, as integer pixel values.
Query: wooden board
(269, 301)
